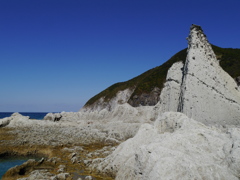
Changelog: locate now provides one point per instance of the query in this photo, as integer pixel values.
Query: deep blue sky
(56, 54)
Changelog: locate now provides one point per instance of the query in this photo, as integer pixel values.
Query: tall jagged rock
(205, 91)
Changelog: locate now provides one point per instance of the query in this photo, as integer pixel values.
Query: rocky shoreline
(63, 159)
(172, 142)
(193, 132)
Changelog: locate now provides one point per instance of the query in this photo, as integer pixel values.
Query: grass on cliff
(144, 83)
(229, 60)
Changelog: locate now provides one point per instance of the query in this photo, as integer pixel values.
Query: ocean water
(32, 115)
(8, 162)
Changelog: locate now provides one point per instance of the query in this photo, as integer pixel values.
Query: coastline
(73, 157)
(76, 149)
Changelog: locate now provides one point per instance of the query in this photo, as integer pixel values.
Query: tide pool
(8, 162)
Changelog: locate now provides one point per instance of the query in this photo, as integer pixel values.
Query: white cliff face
(120, 98)
(169, 98)
(208, 93)
(175, 147)
(200, 88)
(117, 109)
(205, 92)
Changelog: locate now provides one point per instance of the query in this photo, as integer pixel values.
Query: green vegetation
(144, 83)
(229, 60)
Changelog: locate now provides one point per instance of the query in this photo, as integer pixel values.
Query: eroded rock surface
(175, 147)
(207, 91)
(203, 91)
(168, 145)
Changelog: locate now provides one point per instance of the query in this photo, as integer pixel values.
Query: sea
(32, 115)
(8, 162)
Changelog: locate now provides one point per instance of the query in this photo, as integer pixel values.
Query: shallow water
(8, 162)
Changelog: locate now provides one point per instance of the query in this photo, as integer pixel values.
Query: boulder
(53, 117)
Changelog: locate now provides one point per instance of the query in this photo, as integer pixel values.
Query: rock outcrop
(158, 144)
(53, 117)
(203, 91)
(169, 98)
(121, 97)
(197, 87)
(14, 117)
(145, 88)
(175, 147)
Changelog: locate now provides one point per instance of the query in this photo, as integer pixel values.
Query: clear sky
(56, 54)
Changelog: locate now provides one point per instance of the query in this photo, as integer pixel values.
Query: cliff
(145, 89)
(194, 82)
(200, 88)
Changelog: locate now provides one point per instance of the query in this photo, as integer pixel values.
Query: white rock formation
(169, 98)
(121, 112)
(175, 147)
(14, 117)
(207, 93)
(53, 116)
(172, 147)
(117, 109)
(72, 130)
(200, 88)
(121, 97)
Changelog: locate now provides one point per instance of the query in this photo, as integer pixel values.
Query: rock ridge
(196, 86)
(206, 92)
(146, 88)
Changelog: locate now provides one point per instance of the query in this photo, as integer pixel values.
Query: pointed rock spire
(205, 92)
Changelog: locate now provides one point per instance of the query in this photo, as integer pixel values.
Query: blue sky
(56, 54)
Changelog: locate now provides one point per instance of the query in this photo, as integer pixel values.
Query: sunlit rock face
(205, 91)
(198, 87)
(169, 98)
(175, 147)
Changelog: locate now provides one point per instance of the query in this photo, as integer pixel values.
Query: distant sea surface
(32, 115)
